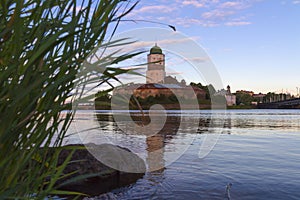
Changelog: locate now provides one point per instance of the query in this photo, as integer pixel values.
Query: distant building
(155, 90)
(221, 92)
(230, 98)
(171, 80)
(259, 97)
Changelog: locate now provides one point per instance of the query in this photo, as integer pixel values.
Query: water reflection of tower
(227, 123)
(156, 143)
(155, 150)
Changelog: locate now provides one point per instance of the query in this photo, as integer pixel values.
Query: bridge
(286, 104)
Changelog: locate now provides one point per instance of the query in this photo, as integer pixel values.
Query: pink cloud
(187, 22)
(155, 9)
(217, 14)
(233, 5)
(237, 23)
(195, 3)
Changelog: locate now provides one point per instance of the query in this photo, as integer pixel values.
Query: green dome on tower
(155, 50)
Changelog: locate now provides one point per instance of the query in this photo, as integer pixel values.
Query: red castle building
(157, 83)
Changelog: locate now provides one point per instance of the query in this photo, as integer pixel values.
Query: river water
(257, 152)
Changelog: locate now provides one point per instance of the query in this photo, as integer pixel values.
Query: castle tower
(156, 66)
(228, 89)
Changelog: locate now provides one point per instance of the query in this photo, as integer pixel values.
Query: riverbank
(239, 107)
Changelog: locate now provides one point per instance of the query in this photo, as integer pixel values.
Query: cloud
(198, 59)
(147, 44)
(211, 12)
(217, 14)
(198, 3)
(227, 13)
(138, 46)
(237, 23)
(296, 2)
(187, 22)
(157, 8)
(195, 3)
(234, 5)
(227, 49)
(176, 61)
(153, 9)
(212, 21)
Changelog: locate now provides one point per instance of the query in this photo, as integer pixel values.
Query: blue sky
(254, 44)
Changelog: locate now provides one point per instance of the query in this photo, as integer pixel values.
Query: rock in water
(118, 158)
(88, 160)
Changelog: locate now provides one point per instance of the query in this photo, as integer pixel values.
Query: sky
(254, 44)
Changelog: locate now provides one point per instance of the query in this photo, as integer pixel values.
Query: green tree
(244, 98)
(102, 101)
(209, 89)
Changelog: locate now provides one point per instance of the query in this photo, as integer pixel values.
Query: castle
(157, 83)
